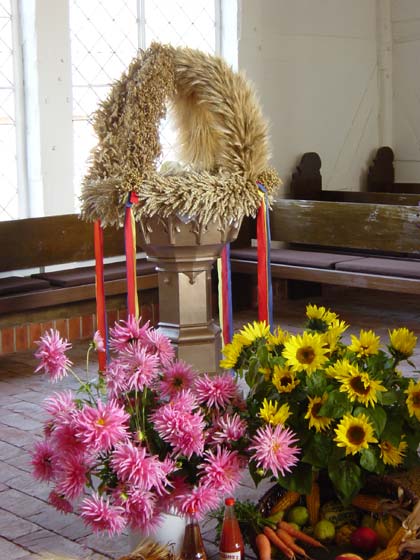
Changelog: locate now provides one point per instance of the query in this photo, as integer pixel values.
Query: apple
(348, 556)
(364, 539)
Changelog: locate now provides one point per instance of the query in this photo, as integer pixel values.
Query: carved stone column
(184, 254)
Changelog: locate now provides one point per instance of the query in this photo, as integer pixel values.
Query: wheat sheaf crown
(222, 142)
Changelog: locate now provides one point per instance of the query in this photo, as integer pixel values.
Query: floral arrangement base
(170, 534)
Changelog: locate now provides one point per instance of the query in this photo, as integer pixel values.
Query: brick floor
(28, 524)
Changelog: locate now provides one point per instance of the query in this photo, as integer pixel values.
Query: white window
(106, 35)
(9, 207)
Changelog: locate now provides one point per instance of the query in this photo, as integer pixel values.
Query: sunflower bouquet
(351, 410)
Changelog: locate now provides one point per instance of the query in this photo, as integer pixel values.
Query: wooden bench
(306, 183)
(33, 296)
(361, 245)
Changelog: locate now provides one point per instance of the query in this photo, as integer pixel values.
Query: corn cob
(389, 553)
(373, 504)
(287, 500)
(313, 504)
(397, 538)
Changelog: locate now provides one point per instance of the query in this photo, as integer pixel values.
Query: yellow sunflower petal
(354, 433)
(305, 352)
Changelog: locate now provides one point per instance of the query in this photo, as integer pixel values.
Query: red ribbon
(100, 289)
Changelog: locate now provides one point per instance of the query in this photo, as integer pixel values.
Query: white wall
(406, 85)
(314, 63)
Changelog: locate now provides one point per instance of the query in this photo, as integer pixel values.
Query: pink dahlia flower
(201, 499)
(161, 346)
(139, 507)
(176, 377)
(142, 367)
(229, 428)
(42, 461)
(116, 375)
(60, 405)
(134, 465)
(51, 353)
(72, 475)
(216, 391)
(64, 436)
(100, 515)
(182, 429)
(274, 450)
(103, 427)
(127, 331)
(98, 342)
(221, 470)
(60, 502)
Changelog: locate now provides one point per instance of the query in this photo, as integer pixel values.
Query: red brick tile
(21, 338)
(146, 313)
(74, 328)
(46, 326)
(112, 316)
(34, 334)
(7, 340)
(87, 326)
(62, 326)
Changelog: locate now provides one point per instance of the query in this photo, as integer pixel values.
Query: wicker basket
(404, 487)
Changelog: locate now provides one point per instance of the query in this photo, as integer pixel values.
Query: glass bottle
(231, 541)
(192, 545)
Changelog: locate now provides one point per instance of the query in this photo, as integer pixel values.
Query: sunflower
(284, 379)
(413, 399)
(305, 352)
(273, 414)
(360, 387)
(354, 433)
(402, 342)
(392, 455)
(340, 370)
(231, 352)
(319, 318)
(366, 345)
(277, 338)
(254, 331)
(320, 423)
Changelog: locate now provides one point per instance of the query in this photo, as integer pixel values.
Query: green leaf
(346, 478)
(336, 406)
(255, 473)
(316, 383)
(262, 354)
(390, 397)
(368, 460)
(377, 417)
(317, 450)
(393, 429)
(300, 480)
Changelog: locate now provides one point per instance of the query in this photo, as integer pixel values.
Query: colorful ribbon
(100, 291)
(265, 292)
(225, 295)
(131, 256)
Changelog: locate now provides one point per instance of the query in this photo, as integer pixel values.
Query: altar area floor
(29, 526)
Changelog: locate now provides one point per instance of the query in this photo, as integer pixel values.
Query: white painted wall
(315, 66)
(406, 86)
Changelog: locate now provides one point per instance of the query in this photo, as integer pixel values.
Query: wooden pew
(362, 245)
(381, 175)
(31, 296)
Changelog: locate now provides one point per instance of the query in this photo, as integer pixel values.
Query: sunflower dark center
(315, 409)
(358, 386)
(305, 355)
(285, 380)
(356, 435)
(416, 399)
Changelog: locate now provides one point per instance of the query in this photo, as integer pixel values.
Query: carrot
(299, 534)
(287, 551)
(290, 541)
(263, 546)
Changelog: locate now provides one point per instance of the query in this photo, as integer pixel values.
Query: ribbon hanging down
(225, 295)
(265, 292)
(100, 292)
(131, 256)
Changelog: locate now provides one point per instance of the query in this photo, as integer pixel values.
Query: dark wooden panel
(335, 277)
(35, 242)
(60, 296)
(346, 224)
(412, 188)
(372, 197)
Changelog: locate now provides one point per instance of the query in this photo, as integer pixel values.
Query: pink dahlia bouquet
(147, 436)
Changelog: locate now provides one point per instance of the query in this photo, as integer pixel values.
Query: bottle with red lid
(192, 546)
(231, 542)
